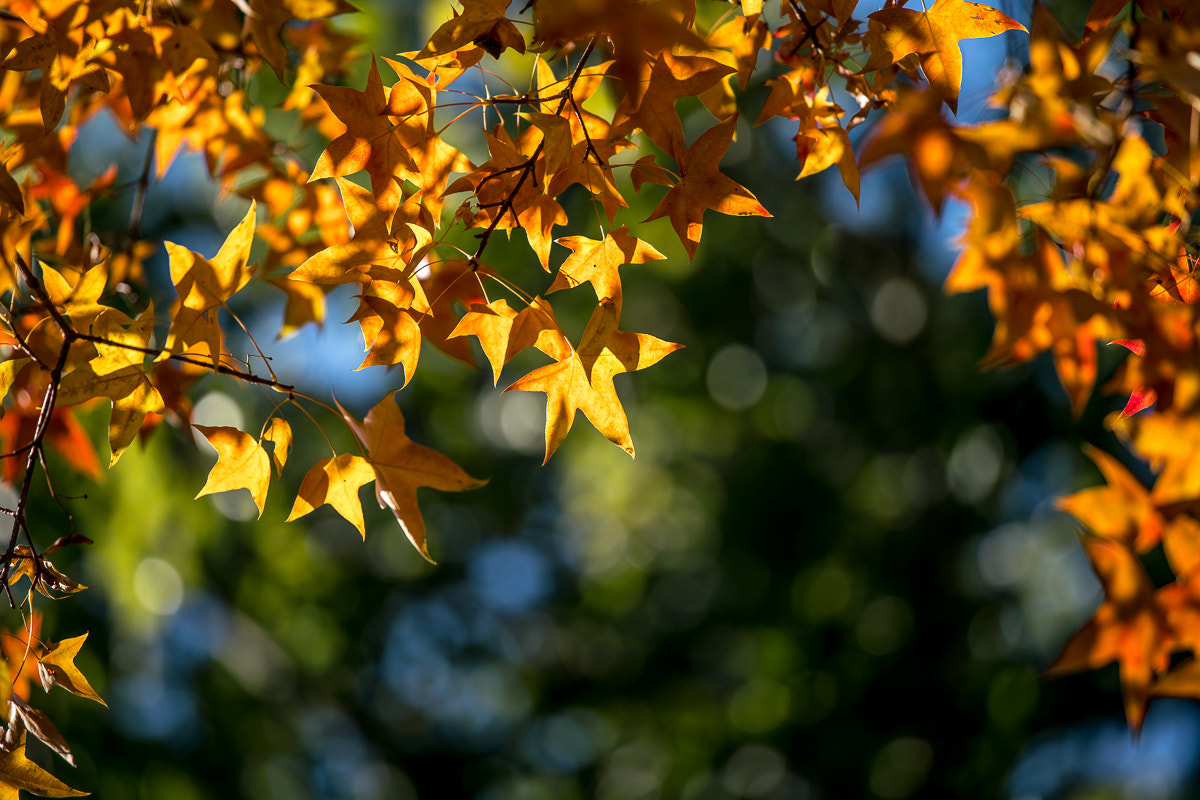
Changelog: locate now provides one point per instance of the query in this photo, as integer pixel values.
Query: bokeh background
(833, 571)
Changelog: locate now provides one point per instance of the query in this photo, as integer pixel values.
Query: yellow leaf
(583, 380)
(204, 286)
(598, 263)
(8, 375)
(57, 668)
(279, 432)
(242, 463)
(503, 333)
(19, 773)
(335, 481)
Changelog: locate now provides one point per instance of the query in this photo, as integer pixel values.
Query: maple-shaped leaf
(370, 142)
(391, 335)
(1122, 510)
(204, 286)
(1169, 442)
(242, 463)
(483, 23)
(933, 35)
(402, 466)
(1129, 627)
(505, 195)
(584, 380)
(665, 81)
(56, 667)
(702, 187)
(597, 263)
(504, 332)
(18, 773)
(335, 481)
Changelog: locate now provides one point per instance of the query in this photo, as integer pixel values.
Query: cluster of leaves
(1082, 199)
(1102, 254)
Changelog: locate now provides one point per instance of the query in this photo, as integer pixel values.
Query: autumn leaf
(242, 463)
(504, 332)
(702, 187)
(482, 22)
(933, 36)
(117, 373)
(372, 249)
(391, 335)
(664, 82)
(402, 466)
(39, 724)
(1129, 627)
(598, 262)
(583, 380)
(204, 286)
(269, 17)
(18, 773)
(335, 481)
(370, 142)
(56, 667)
(1121, 510)
(279, 433)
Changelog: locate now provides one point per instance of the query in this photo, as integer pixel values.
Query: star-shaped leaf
(597, 262)
(702, 186)
(504, 332)
(370, 142)
(481, 22)
(1121, 510)
(402, 466)
(204, 286)
(1129, 627)
(583, 380)
(335, 481)
(242, 463)
(56, 667)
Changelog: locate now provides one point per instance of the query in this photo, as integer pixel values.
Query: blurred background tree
(833, 571)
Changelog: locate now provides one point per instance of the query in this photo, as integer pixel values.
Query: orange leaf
(204, 286)
(1129, 627)
(503, 332)
(370, 142)
(933, 36)
(402, 466)
(1122, 510)
(702, 186)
